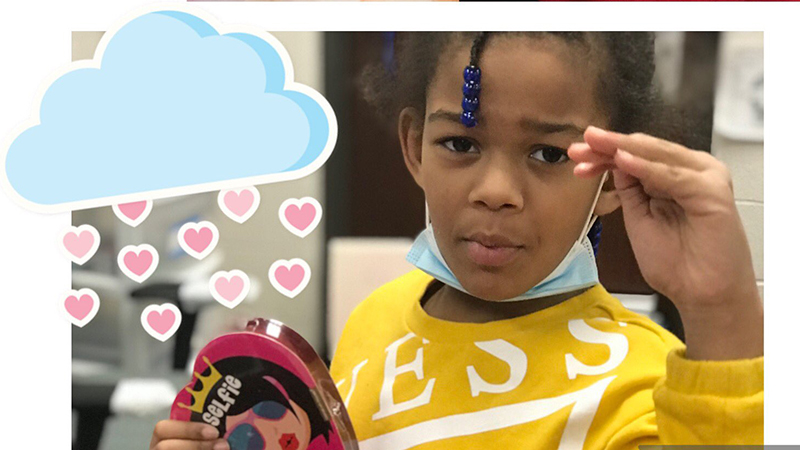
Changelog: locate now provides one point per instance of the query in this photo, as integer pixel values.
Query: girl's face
(503, 200)
(269, 425)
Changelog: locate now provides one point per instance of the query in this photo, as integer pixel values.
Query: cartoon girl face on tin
(271, 424)
(258, 405)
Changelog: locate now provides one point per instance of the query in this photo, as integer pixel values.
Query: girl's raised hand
(685, 231)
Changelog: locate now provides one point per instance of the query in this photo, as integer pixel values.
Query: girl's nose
(497, 188)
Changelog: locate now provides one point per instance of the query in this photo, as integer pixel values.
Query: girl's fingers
(656, 177)
(583, 153)
(647, 147)
(180, 444)
(635, 202)
(589, 170)
(178, 429)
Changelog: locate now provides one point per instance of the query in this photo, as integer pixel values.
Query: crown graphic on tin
(207, 383)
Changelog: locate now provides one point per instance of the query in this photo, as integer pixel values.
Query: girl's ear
(409, 127)
(608, 201)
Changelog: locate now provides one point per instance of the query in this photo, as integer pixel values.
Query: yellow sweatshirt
(586, 373)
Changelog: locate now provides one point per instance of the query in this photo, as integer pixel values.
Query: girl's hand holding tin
(181, 435)
(689, 242)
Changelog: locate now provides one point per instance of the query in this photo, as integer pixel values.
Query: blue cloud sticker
(169, 106)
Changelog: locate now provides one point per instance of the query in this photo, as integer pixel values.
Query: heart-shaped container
(264, 387)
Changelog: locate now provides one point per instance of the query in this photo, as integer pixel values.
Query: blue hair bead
(594, 235)
(472, 82)
(468, 119)
(470, 104)
(472, 73)
(471, 89)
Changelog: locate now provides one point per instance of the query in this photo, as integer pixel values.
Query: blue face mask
(576, 271)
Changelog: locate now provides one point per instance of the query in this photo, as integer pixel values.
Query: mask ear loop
(590, 220)
(427, 215)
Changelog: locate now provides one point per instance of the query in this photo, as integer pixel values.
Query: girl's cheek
(232, 421)
(300, 426)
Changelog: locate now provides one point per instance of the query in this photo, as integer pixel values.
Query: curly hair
(625, 85)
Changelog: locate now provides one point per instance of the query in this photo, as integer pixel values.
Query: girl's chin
(497, 298)
(494, 284)
(493, 290)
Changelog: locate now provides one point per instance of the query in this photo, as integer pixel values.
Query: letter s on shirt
(617, 343)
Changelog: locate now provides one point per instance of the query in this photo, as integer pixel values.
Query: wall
(745, 159)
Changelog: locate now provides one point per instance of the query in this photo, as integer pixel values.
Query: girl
(504, 338)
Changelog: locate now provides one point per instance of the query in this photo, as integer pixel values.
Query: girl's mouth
(491, 256)
(289, 442)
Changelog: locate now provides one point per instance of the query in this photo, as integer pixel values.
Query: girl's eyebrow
(551, 127)
(277, 385)
(526, 123)
(444, 115)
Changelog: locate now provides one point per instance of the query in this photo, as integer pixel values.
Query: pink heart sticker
(138, 262)
(239, 204)
(300, 216)
(290, 277)
(80, 243)
(80, 307)
(198, 239)
(133, 210)
(161, 321)
(133, 213)
(229, 288)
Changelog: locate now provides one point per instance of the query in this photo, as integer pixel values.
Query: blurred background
(124, 381)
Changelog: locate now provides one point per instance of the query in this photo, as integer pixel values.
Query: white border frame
(38, 34)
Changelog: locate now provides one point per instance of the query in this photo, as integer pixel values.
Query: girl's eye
(550, 155)
(269, 410)
(245, 437)
(459, 145)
